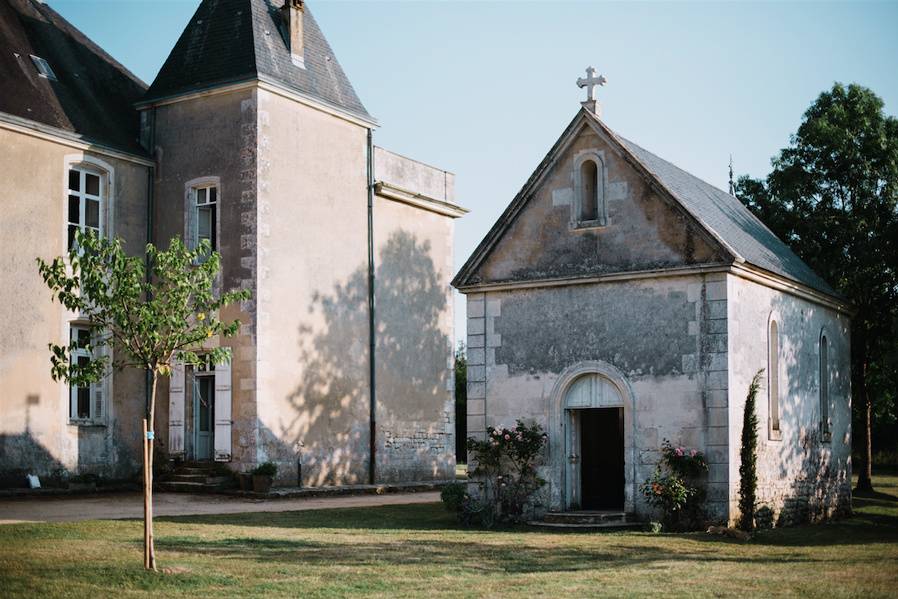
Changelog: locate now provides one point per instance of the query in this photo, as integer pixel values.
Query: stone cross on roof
(591, 82)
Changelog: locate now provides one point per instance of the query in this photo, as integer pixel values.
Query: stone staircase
(588, 520)
(197, 477)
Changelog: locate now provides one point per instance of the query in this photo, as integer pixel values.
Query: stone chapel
(620, 301)
(251, 136)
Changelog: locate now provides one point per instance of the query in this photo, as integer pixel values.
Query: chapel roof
(92, 95)
(729, 220)
(230, 41)
(735, 228)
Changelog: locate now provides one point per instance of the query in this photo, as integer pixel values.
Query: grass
(402, 551)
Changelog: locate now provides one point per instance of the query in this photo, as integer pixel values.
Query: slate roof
(735, 228)
(728, 219)
(228, 41)
(94, 95)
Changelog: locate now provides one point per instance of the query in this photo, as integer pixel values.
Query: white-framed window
(589, 208)
(85, 201)
(824, 387)
(86, 402)
(205, 215)
(773, 379)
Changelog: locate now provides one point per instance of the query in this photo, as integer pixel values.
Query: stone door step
(588, 520)
(606, 526)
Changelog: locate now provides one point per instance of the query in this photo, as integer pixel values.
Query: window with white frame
(205, 215)
(86, 402)
(85, 201)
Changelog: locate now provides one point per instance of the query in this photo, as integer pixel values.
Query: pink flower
(693, 453)
(507, 437)
(679, 452)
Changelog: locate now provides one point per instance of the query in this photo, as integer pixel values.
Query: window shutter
(191, 216)
(222, 443)
(98, 401)
(176, 410)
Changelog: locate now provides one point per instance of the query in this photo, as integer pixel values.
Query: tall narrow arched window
(588, 208)
(589, 201)
(773, 378)
(824, 386)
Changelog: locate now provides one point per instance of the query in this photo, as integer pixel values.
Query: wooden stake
(146, 499)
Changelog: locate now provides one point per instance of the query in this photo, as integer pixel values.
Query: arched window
(589, 189)
(589, 201)
(824, 386)
(773, 378)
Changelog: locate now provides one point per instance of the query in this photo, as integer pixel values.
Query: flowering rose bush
(674, 488)
(506, 464)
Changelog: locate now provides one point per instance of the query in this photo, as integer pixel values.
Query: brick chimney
(292, 12)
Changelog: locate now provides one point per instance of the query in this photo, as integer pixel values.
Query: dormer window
(589, 191)
(43, 67)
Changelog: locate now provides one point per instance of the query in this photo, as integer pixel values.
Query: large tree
(149, 311)
(832, 196)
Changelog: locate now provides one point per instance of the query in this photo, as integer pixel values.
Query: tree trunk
(865, 471)
(149, 551)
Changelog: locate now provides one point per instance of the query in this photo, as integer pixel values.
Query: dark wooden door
(602, 459)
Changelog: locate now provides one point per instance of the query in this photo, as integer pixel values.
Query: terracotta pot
(262, 483)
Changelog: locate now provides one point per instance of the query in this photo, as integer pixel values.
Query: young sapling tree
(144, 312)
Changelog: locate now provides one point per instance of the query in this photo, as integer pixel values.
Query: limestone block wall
(414, 354)
(225, 126)
(36, 433)
(802, 474)
(312, 385)
(667, 338)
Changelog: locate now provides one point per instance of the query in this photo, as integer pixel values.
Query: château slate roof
(229, 41)
(93, 96)
(729, 220)
(723, 216)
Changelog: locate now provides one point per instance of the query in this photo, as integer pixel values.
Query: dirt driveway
(130, 505)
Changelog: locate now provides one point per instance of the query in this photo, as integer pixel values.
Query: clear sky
(483, 89)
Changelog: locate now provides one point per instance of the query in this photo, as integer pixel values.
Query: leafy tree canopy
(832, 196)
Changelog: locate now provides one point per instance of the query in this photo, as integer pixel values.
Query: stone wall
(225, 127)
(803, 475)
(36, 433)
(665, 336)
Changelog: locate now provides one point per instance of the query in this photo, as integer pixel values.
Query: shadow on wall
(329, 427)
(22, 454)
(808, 477)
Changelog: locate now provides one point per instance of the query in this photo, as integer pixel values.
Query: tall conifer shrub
(748, 474)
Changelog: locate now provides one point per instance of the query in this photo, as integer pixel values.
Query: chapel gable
(589, 212)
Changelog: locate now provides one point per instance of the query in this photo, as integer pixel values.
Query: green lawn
(418, 551)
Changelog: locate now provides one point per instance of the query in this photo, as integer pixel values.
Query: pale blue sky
(483, 89)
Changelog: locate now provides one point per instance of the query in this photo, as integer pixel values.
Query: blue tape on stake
(150, 435)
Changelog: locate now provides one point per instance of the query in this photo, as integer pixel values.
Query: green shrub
(674, 487)
(266, 469)
(453, 496)
(506, 466)
(748, 453)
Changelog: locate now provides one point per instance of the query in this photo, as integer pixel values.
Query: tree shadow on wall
(330, 402)
(806, 481)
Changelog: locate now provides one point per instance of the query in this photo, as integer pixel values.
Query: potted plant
(263, 476)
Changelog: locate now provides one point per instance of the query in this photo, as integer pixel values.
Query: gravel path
(130, 505)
